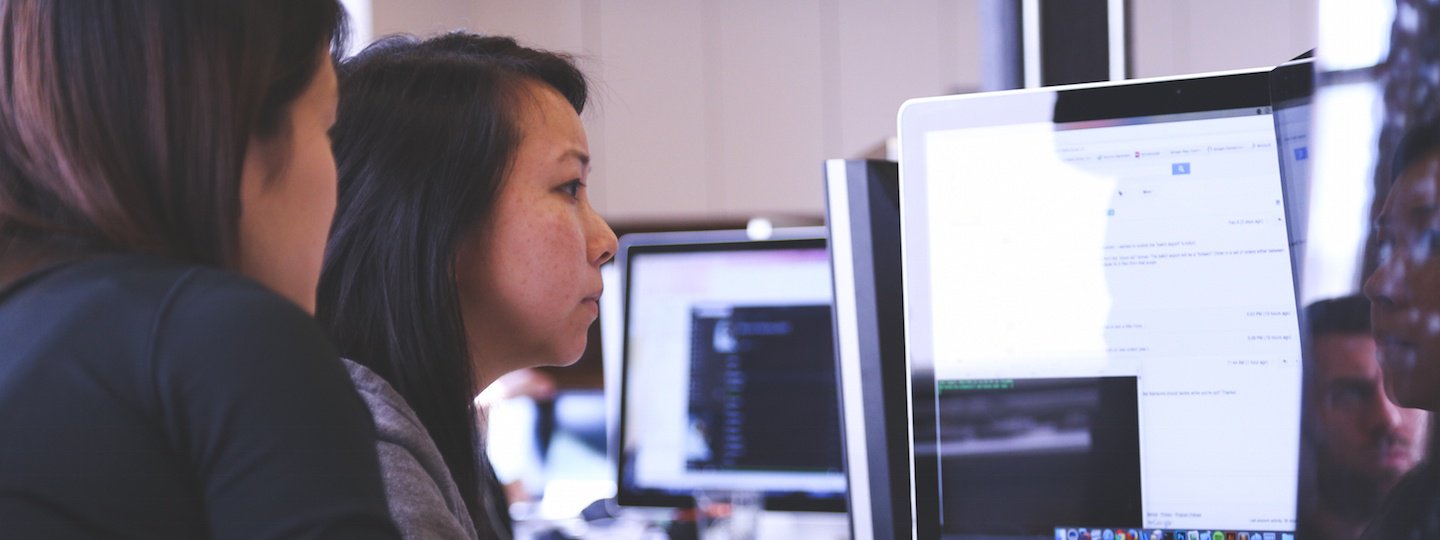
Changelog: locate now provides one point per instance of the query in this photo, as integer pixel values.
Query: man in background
(1362, 443)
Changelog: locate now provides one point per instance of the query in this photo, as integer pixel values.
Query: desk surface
(648, 525)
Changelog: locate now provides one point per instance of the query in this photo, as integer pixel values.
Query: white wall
(1173, 37)
(726, 109)
(362, 23)
(723, 109)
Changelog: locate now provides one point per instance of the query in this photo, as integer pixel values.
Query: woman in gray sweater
(464, 247)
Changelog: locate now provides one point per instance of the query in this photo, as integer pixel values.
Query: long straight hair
(124, 125)
(426, 133)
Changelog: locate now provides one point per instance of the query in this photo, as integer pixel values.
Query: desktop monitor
(863, 204)
(728, 380)
(1101, 312)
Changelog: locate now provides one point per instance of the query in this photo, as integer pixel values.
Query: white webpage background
(1064, 254)
(665, 287)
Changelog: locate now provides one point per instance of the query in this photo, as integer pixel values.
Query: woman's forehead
(1415, 190)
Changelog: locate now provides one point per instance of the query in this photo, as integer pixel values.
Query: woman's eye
(1423, 248)
(572, 188)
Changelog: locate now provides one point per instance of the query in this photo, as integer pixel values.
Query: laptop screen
(1100, 294)
(729, 373)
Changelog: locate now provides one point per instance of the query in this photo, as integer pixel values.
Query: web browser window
(1113, 325)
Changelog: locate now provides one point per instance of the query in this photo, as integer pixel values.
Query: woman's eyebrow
(576, 154)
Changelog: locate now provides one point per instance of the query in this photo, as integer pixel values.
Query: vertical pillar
(1032, 43)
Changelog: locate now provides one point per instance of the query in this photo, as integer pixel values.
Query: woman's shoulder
(142, 305)
(204, 382)
(398, 428)
(130, 282)
(394, 419)
(201, 314)
(424, 500)
(178, 322)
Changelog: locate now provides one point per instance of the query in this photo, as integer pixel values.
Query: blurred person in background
(1361, 441)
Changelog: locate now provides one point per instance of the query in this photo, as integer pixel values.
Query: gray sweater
(422, 496)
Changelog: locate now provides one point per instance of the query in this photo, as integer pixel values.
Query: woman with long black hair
(464, 247)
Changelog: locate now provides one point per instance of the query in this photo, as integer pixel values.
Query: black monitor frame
(863, 206)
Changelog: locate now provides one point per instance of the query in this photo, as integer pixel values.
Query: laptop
(1101, 312)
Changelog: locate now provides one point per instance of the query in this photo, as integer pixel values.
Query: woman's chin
(568, 356)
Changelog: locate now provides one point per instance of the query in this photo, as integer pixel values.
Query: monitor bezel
(863, 217)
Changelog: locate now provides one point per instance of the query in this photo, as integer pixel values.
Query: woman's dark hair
(427, 131)
(124, 125)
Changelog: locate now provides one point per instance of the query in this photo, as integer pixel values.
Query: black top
(144, 399)
(1412, 509)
